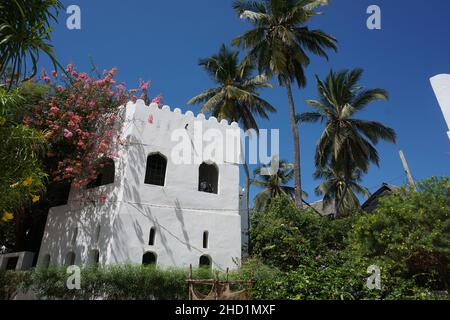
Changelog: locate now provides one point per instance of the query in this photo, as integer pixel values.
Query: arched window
(149, 258)
(208, 178)
(70, 259)
(94, 256)
(106, 173)
(74, 236)
(156, 169)
(45, 261)
(97, 233)
(205, 239)
(151, 239)
(205, 262)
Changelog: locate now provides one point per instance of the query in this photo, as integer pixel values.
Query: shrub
(286, 237)
(408, 237)
(118, 282)
(410, 232)
(11, 282)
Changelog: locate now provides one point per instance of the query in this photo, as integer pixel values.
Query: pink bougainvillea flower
(69, 67)
(144, 85)
(83, 76)
(45, 76)
(54, 110)
(158, 100)
(150, 119)
(67, 134)
(69, 170)
(85, 115)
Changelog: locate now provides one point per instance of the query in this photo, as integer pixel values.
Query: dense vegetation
(407, 237)
(300, 255)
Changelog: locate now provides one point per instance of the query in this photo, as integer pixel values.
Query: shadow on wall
(80, 232)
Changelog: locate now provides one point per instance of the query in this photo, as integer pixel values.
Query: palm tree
(235, 98)
(346, 143)
(274, 185)
(332, 188)
(24, 34)
(279, 43)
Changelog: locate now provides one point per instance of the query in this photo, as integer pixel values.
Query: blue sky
(163, 40)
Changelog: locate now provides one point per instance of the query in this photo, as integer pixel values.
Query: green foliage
(278, 43)
(20, 156)
(25, 34)
(411, 231)
(305, 256)
(11, 282)
(119, 282)
(273, 185)
(280, 40)
(346, 147)
(286, 237)
(236, 97)
(335, 184)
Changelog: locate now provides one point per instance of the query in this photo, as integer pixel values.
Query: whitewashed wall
(441, 87)
(178, 211)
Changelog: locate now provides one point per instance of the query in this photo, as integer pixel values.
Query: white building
(441, 87)
(149, 208)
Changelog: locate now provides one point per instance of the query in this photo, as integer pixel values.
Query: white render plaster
(441, 87)
(178, 211)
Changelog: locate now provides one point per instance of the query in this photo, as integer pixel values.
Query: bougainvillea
(82, 115)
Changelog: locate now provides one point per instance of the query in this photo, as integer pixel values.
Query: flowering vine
(82, 118)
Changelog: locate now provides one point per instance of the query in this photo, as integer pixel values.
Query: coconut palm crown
(274, 185)
(235, 96)
(332, 189)
(279, 42)
(346, 142)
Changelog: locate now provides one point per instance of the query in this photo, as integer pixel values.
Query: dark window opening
(105, 174)
(156, 170)
(151, 240)
(11, 263)
(208, 178)
(74, 235)
(94, 257)
(97, 233)
(70, 259)
(205, 239)
(205, 262)
(149, 258)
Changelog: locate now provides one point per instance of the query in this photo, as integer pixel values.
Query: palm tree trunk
(341, 200)
(348, 173)
(297, 168)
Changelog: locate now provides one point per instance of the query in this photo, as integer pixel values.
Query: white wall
(441, 87)
(178, 211)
